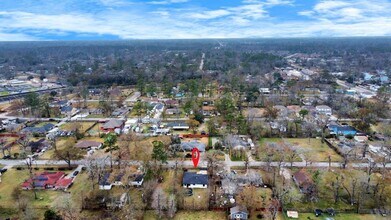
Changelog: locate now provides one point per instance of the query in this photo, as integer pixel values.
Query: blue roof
(67, 108)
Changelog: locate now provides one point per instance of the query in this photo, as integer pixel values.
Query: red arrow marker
(195, 156)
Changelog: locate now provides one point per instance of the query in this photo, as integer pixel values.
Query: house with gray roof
(238, 213)
(188, 146)
(195, 180)
(112, 125)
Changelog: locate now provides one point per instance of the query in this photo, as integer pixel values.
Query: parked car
(7, 157)
(189, 192)
(318, 212)
(75, 173)
(3, 170)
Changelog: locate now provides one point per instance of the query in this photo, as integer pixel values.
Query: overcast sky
(179, 19)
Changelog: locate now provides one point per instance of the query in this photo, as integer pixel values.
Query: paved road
(188, 163)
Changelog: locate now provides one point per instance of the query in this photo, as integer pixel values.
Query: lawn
(309, 148)
(95, 116)
(83, 126)
(14, 178)
(202, 215)
(43, 123)
(340, 216)
(94, 131)
(198, 201)
(60, 145)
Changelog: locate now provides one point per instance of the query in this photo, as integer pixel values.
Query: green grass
(95, 116)
(4, 93)
(14, 178)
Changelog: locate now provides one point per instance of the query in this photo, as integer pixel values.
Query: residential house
(361, 139)
(171, 103)
(67, 110)
(112, 125)
(38, 146)
(47, 180)
(104, 183)
(195, 180)
(119, 112)
(178, 125)
(189, 146)
(208, 110)
(323, 109)
(38, 130)
(84, 144)
(238, 213)
(158, 107)
(118, 179)
(64, 183)
(304, 181)
(173, 111)
(136, 180)
(264, 90)
(59, 104)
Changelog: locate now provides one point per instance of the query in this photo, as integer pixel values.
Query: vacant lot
(60, 144)
(341, 217)
(310, 149)
(83, 126)
(202, 215)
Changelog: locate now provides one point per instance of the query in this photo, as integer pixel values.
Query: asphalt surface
(203, 164)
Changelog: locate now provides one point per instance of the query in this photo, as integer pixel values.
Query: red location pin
(195, 156)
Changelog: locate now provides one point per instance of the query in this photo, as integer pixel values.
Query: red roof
(52, 177)
(44, 179)
(64, 183)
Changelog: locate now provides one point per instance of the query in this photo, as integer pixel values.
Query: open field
(201, 215)
(308, 148)
(341, 217)
(95, 116)
(83, 126)
(60, 144)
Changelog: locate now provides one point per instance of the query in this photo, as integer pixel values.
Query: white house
(104, 183)
(264, 90)
(136, 180)
(323, 109)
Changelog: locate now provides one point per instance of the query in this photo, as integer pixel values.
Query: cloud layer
(169, 19)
